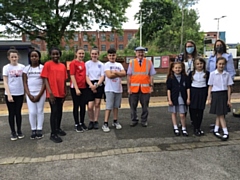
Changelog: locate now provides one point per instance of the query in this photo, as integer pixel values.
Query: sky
(207, 11)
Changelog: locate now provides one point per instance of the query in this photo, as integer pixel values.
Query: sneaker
(84, 127)
(14, 136)
(105, 128)
(78, 128)
(91, 125)
(39, 134)
(117, 125)
(55, 138)
(34, 135)
(95, 126)
(60, 132)
(20, 135)
(144, 124)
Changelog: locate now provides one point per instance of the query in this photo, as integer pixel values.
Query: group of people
(89, 82)
(191, 82)
(189, 85)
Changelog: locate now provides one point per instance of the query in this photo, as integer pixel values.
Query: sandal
(176, 132)
(184, 132)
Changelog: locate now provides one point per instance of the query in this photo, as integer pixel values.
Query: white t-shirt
(113, 85)
(15, 82)
(94, 70)
(34, 80)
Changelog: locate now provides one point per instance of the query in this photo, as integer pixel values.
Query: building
(89, 39)
(213, 36)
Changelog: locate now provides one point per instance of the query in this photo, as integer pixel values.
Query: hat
(140, 48)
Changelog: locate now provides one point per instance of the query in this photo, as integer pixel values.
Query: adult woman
(220, 50)
(94, 78)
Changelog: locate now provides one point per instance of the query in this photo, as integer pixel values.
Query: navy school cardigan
(175, 87)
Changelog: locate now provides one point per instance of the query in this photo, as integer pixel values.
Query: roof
(5, 45)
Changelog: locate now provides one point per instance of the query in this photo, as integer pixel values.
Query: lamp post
(141, 28)
(218, 25)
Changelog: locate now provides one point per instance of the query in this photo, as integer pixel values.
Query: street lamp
(218, 25)
(141, 28)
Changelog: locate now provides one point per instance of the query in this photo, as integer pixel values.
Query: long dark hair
(194, 53)
(204, 66)
(170, 71)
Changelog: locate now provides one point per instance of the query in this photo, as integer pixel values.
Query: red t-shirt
(77, 68)
(56, 73)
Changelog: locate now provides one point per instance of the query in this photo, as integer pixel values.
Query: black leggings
(79, 101)
(56, 115)
(196, 116)
(14, 110)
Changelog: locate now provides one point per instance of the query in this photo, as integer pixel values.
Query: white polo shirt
(220, 81)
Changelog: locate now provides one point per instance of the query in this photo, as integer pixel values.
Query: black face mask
(219, 49)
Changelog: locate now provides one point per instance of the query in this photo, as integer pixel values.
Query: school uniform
(198, 96)
(219, 93)
(178, 85)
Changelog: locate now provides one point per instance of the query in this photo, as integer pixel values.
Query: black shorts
(98, 95)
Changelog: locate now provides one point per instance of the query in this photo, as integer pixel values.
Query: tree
(184, 4)
(155, 15)
(168, 38)
(51, 20)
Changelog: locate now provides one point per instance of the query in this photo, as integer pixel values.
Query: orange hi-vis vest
(140, 76)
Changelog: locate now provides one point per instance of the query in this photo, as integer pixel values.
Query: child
(55, 75)
(198, 93)
(113, 89)
(94, 78)
(14, 92)
(178, 93)
(34, 87)
(219, 96)
(78, 89)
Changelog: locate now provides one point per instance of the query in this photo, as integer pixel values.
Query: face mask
(190, 50)
(219, 49)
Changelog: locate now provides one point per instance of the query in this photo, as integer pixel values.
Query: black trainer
(90, 126)
(14, 136)
(84, 127)
(78, 128)
(55, 138)
(60, 132)
(39, 134)
(34, 134)
(95, 125)
(20, 135)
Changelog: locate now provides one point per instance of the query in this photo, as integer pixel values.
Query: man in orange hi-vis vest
(140, 85)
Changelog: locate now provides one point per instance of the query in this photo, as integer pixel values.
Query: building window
(111, 37)
(85, 37)
(75, 47)
(103, 37)
(103, 47)
(66, 47)
(129, 36)
(85, 47)
(120, 47)
(94, 37)
(27, 37)
(112, 46)
(75, 37)
(120, 38)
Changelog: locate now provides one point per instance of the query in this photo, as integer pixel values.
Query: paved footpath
(130, 153)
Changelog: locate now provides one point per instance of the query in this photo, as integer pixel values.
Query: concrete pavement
(130, 153)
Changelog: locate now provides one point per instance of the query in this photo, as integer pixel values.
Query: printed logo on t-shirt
(15, 73)
(80, 67)
(99, 66)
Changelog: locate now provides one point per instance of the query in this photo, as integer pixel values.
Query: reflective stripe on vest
(141, 73)
(138, 84)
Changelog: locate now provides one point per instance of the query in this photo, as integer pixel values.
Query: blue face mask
(190, 50)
